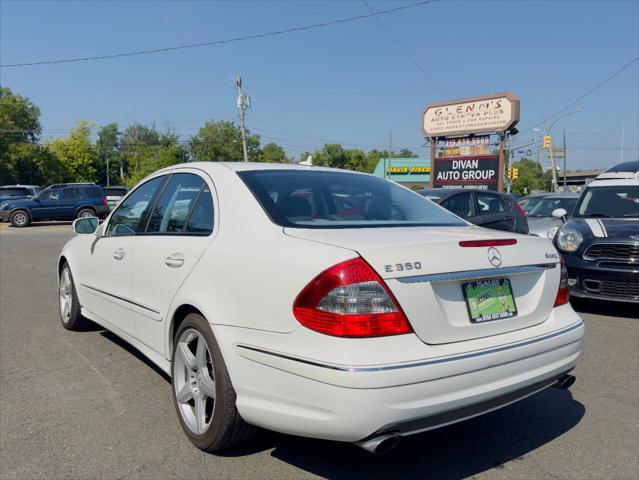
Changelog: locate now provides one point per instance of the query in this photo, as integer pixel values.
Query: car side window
(172, 209)
(201, 218)
(460, 204)
(490, 204)
(52, 195)
(70, 194)
(130, 216)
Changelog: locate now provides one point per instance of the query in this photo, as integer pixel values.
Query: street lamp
(552, 156)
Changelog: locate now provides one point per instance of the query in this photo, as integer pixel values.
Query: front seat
(294, 206)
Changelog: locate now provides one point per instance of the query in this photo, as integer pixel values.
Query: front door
(108, 283)
(47, 204)
(179, 230)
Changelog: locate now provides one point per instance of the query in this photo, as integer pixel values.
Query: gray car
(540, 219)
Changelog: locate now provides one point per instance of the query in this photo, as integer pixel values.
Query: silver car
(540, 219)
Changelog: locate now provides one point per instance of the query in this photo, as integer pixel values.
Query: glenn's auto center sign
(465, 126)
(491, 113)
(471, 172)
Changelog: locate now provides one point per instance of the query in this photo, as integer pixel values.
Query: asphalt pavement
(86, 405)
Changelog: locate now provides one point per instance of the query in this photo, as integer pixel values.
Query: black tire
(75, 321)
(20, 218)
(85, 212)
(227, 428)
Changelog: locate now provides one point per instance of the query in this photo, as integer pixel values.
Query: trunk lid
(425, 268)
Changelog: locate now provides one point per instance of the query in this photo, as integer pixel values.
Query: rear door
(179, 230)
(493, 212)
(68, 202)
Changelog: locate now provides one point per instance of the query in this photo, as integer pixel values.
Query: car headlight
(552, 231)
(569, 239)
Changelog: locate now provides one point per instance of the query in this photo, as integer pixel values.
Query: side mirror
(85, 226)
(560, 213)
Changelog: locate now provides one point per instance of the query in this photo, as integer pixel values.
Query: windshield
(617, 201)
(548, 205)
(527, 204)
(321, 199)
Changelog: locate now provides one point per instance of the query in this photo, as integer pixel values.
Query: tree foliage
(531, 177)
(222, 142)
(77, 153)
(273, 153)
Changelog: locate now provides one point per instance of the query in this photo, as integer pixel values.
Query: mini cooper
(271, 304)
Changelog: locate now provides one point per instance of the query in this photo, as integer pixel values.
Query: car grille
(620, 289)
(612, 251)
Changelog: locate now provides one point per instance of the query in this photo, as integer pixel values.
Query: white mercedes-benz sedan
(319, 302)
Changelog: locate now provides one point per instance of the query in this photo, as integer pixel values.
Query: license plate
(489, 300)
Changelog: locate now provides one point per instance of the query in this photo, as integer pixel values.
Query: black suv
(61, 201)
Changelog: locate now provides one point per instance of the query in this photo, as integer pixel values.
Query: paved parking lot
(80, 405)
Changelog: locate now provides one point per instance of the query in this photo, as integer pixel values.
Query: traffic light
(508, 173)
(515, 173)
(546, 141)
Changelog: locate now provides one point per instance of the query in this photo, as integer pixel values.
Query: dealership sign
(467, 172)
(491, 113)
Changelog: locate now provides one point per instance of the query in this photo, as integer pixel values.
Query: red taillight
(104, 202)
(563, 293)
(487, 243)
(350, 300)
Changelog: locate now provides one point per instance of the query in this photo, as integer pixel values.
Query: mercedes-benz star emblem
(494, 257)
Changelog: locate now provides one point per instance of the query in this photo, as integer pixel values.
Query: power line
(400, 45)
(220, 42)
(584, 95)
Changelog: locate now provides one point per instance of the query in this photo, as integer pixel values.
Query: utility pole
(565, 190)
(107, 168)
(623, 125)
(390, 148)
(243, 102)
(552, 159)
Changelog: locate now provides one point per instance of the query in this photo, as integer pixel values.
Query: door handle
(119, 254)
(175, 260)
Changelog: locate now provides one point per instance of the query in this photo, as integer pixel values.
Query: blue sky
(346, 83)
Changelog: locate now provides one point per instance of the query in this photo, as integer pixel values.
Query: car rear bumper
(591, 280)
(347, 402)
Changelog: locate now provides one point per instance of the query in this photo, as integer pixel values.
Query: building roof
(404, 169)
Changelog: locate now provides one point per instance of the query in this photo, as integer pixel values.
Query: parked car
(484, 208)
(356, 328)
(540, 219)
(600, 243)
(16, 192)
(530, 201)
(114, 195)
(62, 201)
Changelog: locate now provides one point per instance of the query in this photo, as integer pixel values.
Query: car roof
(19, 186)
(212, 167)
(563, 195)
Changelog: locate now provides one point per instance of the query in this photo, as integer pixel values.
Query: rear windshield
(321, 199)
(613, 201)
(116, 192)
(14, 192)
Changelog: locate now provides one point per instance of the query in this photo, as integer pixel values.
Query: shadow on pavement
(455, 451)
(601, 307)
(133, 351)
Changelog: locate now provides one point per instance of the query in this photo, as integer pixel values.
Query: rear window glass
(325, 199)
(489, 204)
(93, 192)
(115, 192)
(14, 192)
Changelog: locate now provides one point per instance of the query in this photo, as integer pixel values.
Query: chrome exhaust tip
(379, 445)
(565, 382)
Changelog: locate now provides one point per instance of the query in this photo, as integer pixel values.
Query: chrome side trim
(123, 299)
(478, 274)
(434, 361)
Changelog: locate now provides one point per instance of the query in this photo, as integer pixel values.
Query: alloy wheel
(20, 218)
(66, 295)
(193, 381)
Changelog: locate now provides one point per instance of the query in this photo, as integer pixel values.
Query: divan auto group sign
(491, 113)
(467, 172)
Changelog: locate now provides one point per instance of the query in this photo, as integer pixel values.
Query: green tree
(531, 177)
(273, 153)
(77, 153)
(108, 151)
(407, 153)
(222, 142)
